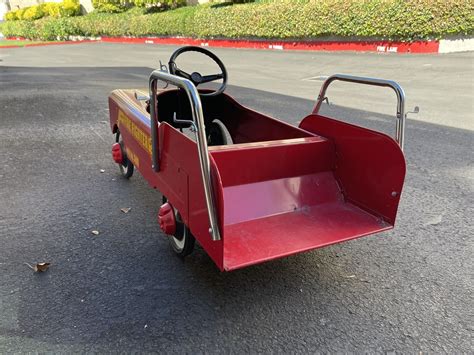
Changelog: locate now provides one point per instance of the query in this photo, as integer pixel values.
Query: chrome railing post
(154, 126)
(400, 126)
(200, 132)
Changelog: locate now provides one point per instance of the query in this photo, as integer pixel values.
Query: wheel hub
(117, 153)
(166, 219)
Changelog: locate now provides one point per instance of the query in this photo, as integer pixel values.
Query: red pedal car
(249, 187)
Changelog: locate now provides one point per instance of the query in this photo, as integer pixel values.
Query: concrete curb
(432, 46)
(456, 45)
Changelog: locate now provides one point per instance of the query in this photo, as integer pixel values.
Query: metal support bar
(198, 121)
(400, 129)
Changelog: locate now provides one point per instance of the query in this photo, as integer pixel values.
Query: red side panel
(253, 162)
(370, 166)
(274, 197)
(179, 178)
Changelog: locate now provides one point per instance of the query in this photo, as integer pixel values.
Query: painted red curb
(363, 46)
(357, 46)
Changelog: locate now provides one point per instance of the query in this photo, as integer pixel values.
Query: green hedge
(284, 19)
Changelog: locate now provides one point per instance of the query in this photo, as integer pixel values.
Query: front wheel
(126, 167)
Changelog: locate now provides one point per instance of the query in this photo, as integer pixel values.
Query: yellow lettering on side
(133, 158)
(139, 135)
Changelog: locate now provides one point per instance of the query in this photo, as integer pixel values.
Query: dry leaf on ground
(39, 267)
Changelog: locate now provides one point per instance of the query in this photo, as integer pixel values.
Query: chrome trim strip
(201, 139)
(400, 128)
(132, 106)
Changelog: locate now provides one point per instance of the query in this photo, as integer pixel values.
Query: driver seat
(174, 103)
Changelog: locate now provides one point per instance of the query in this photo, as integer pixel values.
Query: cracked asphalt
(404, 291)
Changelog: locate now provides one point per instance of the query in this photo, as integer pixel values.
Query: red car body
(278, 190)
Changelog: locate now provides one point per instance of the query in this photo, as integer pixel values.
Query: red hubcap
(166, 219)
(117, 153)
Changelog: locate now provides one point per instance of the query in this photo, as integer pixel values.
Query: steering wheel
(196, 77)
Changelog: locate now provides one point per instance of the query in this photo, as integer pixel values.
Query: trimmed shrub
(19, 13)
(67, 8)
(70, 8)
(32, 13)
(52, 9)
(11, 16)
(161, 4)
(110, 9)
(111, 6)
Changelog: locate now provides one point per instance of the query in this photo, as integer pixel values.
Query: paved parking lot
(407, 290)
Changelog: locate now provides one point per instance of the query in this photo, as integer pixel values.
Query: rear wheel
(182, 242)
(126, 168)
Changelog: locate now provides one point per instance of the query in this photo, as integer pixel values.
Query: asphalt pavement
(403, 291)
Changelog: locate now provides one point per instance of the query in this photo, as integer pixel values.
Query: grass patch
(5, 43)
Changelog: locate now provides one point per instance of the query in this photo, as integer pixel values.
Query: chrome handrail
(200, 132)
(400, 128)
